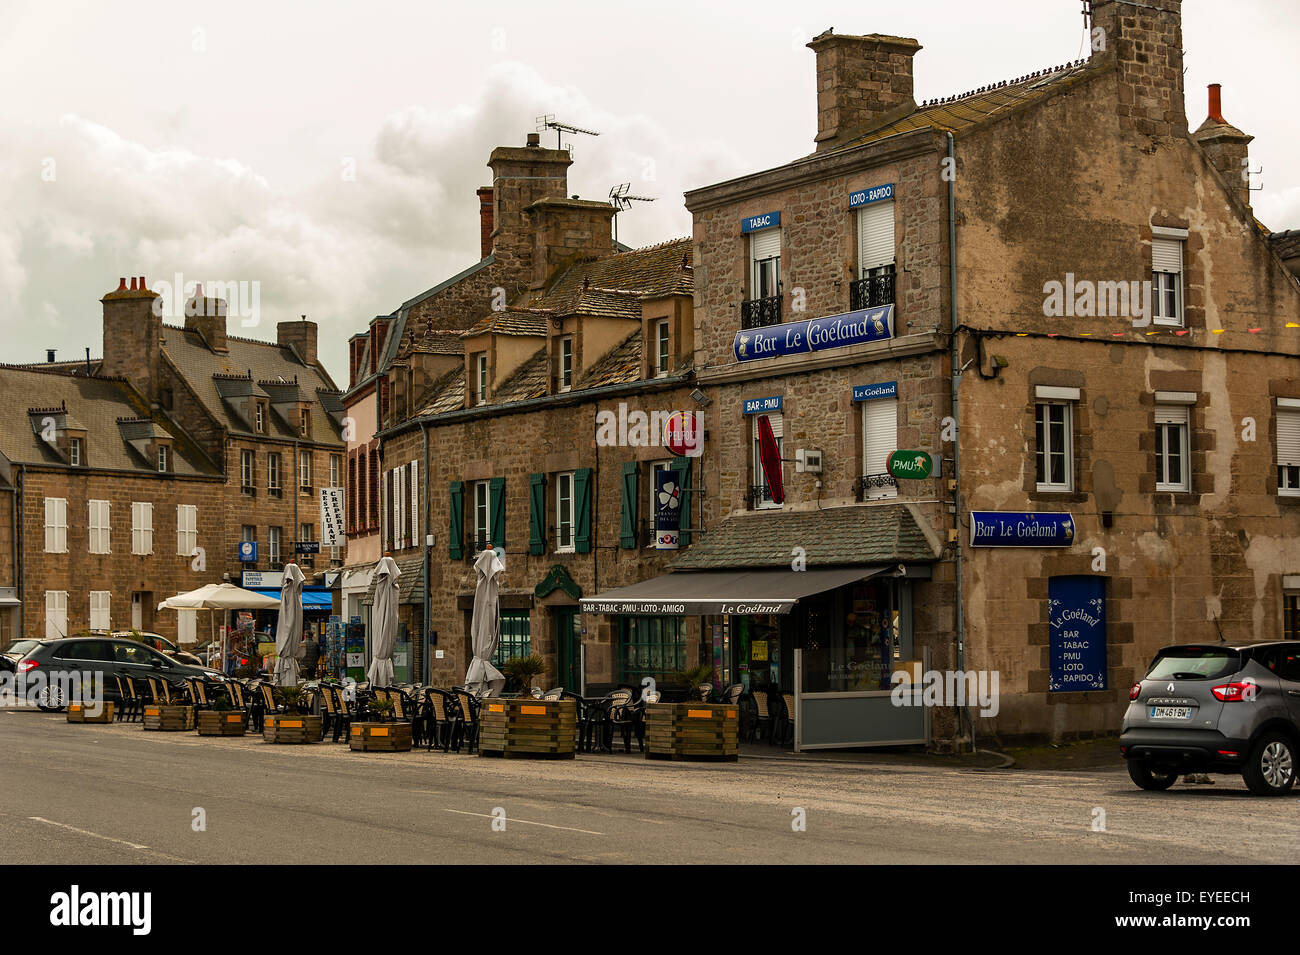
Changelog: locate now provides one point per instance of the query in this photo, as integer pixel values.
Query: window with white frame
(56, 614)
(1167, 275)
(336, 469)
(259, 413)
(141, 527)
(56, 525)
(274, 537)
(164, 458)
(100, 538)
(304, 470)
(100, 616)
(246, 474)
(480, 378)
(304, 422)
(187, 529)
(760, 491)
(662, 355)
(306, 533)
(564, 512)
(273, 471)
(765, 263)
(875, 280)
(482, 514)
(1288, 447)
(564, 367)
(75, 455)
(397, 501)
(1173, 457)
(879, 441)
(1054, 438)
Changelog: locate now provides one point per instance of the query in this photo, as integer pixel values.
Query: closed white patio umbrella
(288, 632)
(385, 623)
(485, 625)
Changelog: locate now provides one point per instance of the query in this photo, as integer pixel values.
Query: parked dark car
(14, 652)
(1217, 707)
(111, 656)
(160, 643)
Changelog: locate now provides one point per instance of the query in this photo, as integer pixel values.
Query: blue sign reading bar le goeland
(1019, 529)
(876, 194)
(815, 334)
(763, 405)
(765, 221)
(883, 389)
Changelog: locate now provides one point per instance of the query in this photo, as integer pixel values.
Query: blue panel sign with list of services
(1020, 529)
(1076, 615)
(766, 220)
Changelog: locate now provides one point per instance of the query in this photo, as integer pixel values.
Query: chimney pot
(133, 283)
(534, 140)
(1216, 103)
(121, 284)
(143, 286)
(49, 356)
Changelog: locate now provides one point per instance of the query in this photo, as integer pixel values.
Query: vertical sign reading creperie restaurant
(332, 529)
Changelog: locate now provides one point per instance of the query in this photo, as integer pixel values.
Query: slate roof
(1286, 244)
(95, 404)
(273, 370)
(447, 393)
(440, 342)
(528, 381)
(615, 281)
(410, 582)
(619, 364)
(870, 534)
(510, 321)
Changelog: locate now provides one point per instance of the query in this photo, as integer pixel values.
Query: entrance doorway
(568, 647)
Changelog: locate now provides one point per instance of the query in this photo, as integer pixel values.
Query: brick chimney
(565, 230)
(1226, 146)
(301, 335)
(1146, 39)
(863, 82)
(485, 220)
(520, 176)
(207, 316)
(133, 336)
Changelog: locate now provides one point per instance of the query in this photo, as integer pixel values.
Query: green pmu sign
(912, 465)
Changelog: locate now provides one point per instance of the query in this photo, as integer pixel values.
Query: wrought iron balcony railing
(760, 495)
(760, 312)
(873, 486)
(873, 290)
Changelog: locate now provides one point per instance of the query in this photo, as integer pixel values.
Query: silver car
(1216, 707)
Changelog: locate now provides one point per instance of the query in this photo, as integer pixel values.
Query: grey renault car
(1216, 707)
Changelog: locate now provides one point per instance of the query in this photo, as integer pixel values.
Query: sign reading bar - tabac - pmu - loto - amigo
(815, 334)
(1020, 529)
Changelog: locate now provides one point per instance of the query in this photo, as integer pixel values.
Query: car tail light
(25, 665)
(1134, 691)
(1235, 692)
(1228, 752)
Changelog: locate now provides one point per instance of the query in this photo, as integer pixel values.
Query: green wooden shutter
(456, 524)
(683, 468)
(537, 513)
(582, 509)
(497, 492)
(628, 529)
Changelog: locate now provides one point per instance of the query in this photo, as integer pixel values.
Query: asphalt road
(115, 794)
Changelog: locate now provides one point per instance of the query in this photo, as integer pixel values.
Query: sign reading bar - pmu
(1019, 529)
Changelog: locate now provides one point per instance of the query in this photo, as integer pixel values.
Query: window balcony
(873, 290)
(760, 497)
(872, 487)
(760, 312)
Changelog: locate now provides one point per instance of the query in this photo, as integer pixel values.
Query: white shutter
(100, 541)
(52, 521)
(396, 495)
(56, 614)
(1171, 414)
(99, 609)
(141, 527)
(765, 244)
(1166, 255)
(1288, 437)
(879, 441)
(875, 235)
(415, 502)
(383, 510)
(187, 626)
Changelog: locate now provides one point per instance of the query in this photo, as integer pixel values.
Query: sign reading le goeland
(1020, 529)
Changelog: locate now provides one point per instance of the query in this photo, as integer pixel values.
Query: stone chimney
(301, 335)
(1146, 39)
(863, 82)
(565, 230)
(1226, 146)
(520, 176)
(485, 220)
(207, 316)
(133, 336)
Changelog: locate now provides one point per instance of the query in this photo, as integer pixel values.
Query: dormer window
(304, 422)
(661, 353)
(480, 378)
(564, 373)
(76, 452)
(260, 416)
(164, 459)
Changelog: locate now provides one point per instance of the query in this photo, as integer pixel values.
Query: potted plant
(296, 724)
(222, 720)
(521, 671)
(525, 727)
(168, 717)
(692, 730)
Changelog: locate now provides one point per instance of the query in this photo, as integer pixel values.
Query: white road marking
(522, 822)
(86, 832)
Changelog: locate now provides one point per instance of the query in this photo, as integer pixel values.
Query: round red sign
(684, 434)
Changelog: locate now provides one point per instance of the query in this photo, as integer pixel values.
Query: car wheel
(1142, 774)
(1270, 771)
(50, 699)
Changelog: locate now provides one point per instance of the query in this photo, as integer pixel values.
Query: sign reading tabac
(1020, 529)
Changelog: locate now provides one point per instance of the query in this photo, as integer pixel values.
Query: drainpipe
(956, 447)
(20, 553)
(427, 667)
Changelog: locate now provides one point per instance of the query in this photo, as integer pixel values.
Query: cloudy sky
(330, 150)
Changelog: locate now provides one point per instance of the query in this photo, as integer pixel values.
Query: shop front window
(851, 640)
(650, 646)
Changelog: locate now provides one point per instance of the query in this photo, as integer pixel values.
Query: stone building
(231, 437)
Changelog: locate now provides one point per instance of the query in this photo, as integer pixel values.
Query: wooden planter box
(380, 738)
(697, 731)
(222, 723)
(77, 713)
(291, 728)
(170, 719)
(528, 728)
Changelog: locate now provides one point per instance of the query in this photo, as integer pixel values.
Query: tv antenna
(549, 121)
(622, 201)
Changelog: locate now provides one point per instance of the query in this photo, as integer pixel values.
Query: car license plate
(1171, 712)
